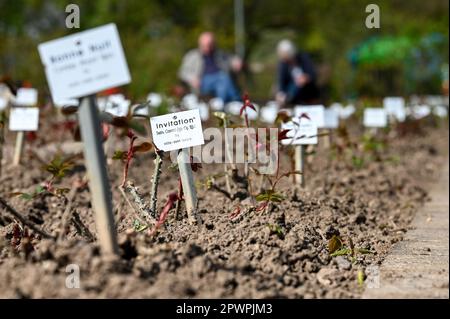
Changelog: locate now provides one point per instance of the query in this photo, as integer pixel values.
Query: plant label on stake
(315, 112)
(301, 133)
(85, 63)
(331, 122)
(24, 97)
(375, 118)
(24, 119)
(78, 66)
(395, 108)
(179, 131)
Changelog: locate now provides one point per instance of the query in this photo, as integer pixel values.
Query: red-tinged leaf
(282, 135)
(235, 212)
(304, 116)
(130, 134)
(262, 206)
(142, 148)
(105, 131)
(173, 197)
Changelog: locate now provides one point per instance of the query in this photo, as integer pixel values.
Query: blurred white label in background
(155, 99)
(204, 111)
(84, 63)
(420, 111)
(331, 119)
(24, 119)
(269, 112)
(3, 103)
(395, 107)
(314, 112)
(440, 111)
(26, 97)
(302, 132)
(375, 117)
(216, 104)
(233, 108)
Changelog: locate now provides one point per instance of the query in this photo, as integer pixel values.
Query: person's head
(286, 50)
(206, 42)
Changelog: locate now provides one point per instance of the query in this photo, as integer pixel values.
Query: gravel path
(418, 267)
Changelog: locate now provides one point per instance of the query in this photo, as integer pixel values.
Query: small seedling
(59, 167)
(276, 229)
(336, 248)
(127, 156)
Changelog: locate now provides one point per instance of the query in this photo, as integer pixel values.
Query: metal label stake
(300, 164)
(98, 178)
(187, 181)
(18, 148)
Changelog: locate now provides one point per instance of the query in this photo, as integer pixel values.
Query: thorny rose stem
(155, 182)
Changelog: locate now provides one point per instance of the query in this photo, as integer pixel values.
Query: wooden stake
(327, 140)
(18, 148)
(187, 180)
(98, 178)
(300, 164)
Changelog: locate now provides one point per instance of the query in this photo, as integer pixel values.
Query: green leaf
(360, 277)
(341, 252)
(271, 196)
(334, 244)
(26, 196)
(137, 127)
(363, 251)
(59, 167)
(119, 155)
(138, 227)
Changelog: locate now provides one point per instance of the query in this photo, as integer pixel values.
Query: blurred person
(296, 76)
(208, 70)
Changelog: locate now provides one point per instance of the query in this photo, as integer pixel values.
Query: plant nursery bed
(280, 252)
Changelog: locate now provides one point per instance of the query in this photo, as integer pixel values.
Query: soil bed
(372, 205)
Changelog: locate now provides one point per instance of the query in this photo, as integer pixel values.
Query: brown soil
(372, 205)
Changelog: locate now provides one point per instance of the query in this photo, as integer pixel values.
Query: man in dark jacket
(296, 78)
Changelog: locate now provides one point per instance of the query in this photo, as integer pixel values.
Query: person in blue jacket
(296, 76)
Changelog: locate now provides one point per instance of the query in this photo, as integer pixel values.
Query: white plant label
(331, 119)
(3, 103)
(375, 117)
(84, 63)
(303, 132)
(118, 108)
(204, 111)
(234, 108)
(154, 99)
(314, 112)
(395, 107)
(24, 119)
(269, 113)
(26, 97)
(347, 111)
(420, 111)
(177, 130)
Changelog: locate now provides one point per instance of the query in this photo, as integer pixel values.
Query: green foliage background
(156, 33)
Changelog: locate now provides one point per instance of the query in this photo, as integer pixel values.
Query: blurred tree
(156, 33)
